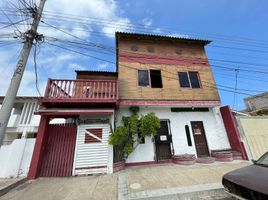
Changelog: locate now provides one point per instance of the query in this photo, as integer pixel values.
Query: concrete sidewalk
(7, 184)
(143, 182)
(149, 181)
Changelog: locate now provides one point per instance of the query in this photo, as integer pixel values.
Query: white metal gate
(92, 150)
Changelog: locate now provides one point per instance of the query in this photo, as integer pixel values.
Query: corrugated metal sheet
(91, 158)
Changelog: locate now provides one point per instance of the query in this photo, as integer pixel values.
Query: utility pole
(10, 97)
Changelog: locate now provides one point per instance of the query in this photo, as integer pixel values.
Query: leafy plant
(124, 137)
(149, 124)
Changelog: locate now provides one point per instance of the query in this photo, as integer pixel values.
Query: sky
(79, 35)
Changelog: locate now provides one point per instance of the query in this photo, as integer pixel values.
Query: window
(143, 78)
(188, 136)
(150, 78)
(189, 79)
(156, 80)
(184, 81)
(194, 79)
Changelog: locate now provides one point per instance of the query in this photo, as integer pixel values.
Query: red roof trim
(167, 60)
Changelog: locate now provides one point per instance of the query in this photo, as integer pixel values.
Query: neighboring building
(254, 133)
(166, 75)
(19, 140)
(22, 123)
(257, 102)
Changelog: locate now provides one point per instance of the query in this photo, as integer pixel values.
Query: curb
(187, 192)
(11, 186)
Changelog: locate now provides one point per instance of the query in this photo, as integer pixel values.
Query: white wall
(214, 129)
(16, 157)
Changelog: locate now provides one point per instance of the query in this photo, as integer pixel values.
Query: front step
(227, 156)
(205, 160)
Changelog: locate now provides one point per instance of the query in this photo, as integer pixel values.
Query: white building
(19, 140)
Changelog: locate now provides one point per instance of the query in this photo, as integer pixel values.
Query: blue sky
(238, 29)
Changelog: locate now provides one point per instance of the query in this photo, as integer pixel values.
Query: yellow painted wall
(256, 133)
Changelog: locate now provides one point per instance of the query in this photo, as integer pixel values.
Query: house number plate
(163, 138)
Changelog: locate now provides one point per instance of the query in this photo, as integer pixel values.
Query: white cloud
(89, 15)
(179, 35)
(121, 25)
(103, 66)
(99, 13)
(147, 22)
(157, 31)
(76, 66)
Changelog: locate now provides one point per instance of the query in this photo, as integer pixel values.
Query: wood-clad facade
(170, 56)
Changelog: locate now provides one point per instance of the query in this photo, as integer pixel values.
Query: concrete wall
(213, 125)
(15, 158)
(254, 132)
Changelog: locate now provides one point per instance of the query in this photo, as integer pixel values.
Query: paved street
(165, 181)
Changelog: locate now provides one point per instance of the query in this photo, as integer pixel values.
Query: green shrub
(125, 136)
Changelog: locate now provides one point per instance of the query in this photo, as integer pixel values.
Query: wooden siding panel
(127, 70)
(171, 90)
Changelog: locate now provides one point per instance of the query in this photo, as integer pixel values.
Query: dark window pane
(156, 80)
(194, 79)
(143, 78)
(183, 78)
(188, 136)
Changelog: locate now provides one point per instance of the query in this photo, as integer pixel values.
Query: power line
(152, 57)
(205, 84)
(79, 18)
(15, 23)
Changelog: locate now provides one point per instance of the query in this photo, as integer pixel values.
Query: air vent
(134, 48)
(150, 49)
(178, 51)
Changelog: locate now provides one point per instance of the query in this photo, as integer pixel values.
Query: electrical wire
(204, 84)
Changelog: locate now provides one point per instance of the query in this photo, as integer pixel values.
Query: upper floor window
(150, 78)
(189, 79)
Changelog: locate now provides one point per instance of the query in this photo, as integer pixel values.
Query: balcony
(80, 92)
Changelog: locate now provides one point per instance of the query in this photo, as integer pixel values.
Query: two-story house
(165, 75)
(172, 78)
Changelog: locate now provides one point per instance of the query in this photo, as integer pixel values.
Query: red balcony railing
(85, 90)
